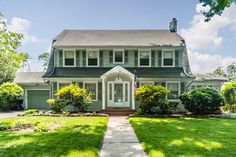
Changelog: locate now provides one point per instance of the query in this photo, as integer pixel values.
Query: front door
(118, 94)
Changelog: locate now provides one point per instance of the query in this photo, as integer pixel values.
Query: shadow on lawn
(66, 140)
(186, 136)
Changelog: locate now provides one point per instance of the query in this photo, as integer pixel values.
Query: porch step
(118, 111)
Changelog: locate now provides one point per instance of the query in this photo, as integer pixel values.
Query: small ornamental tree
(9, 94)
(75, 96)
(202, 100)
(229, 93)
(151, 97)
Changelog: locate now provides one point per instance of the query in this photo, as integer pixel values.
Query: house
(210, 81)
(106, 62)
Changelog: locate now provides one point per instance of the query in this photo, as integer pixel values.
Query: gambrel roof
(118, 38)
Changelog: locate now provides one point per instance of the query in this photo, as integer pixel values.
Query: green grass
(186, 137)
(75, 136)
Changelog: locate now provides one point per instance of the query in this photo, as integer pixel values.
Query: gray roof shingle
(29, 78)
(118, 38)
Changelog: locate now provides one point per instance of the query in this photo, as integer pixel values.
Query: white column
(133, 101)
(103, 94)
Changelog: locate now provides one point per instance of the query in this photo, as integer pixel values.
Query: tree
(219, 72)
(10, 59)
(44, 57)
(9, 94)
(216, 7)
(231, 71)
(229, 92)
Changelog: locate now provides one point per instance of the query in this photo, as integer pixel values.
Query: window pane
(168, 58)
(91, 87)
(118, 56)
(144, 58)
(110, 91)
(69, 58)
(174, 90)
(61, 85)
(126, 92)
(118, 92)
(93, 58)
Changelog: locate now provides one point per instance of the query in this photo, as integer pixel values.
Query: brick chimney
(173, 25)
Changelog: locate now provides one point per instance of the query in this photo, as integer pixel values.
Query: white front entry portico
(117, 88)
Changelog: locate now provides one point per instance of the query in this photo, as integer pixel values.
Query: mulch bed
(68, 115)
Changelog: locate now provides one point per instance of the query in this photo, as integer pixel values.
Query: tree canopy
(44, 57)
(10, 59)
(216, 7)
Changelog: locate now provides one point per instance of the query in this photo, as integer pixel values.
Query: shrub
(229, 108)
(22, 124)
(57, 105)
(4, 126)
(9, 94)
(151, 97)
(229, 93)
(169, 107)
(78, 97)
(41, 128)
(31, 111)
(202, 100)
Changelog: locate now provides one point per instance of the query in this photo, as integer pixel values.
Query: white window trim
(162, 56)
(147, 82)
(72, 50)
(70, 82)
(149, 57)
(123, 56)
(96, 82)
(26, 96)
(178, 89)
(97, 58)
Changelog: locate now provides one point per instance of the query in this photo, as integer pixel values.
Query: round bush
(202, 100)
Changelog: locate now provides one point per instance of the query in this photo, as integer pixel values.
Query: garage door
(37, 99)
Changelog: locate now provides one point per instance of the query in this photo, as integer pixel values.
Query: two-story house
(109, 62)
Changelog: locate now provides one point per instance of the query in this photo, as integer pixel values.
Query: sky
(209, 45)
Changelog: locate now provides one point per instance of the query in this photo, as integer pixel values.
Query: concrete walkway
(120, 140)
(9, 114)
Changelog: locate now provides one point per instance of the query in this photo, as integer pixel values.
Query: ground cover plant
(186, 137)
(64, 136)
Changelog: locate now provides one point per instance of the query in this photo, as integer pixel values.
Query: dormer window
(69, 58)
(118, 57)
(92, 58)
(144, 58)
(168, 58)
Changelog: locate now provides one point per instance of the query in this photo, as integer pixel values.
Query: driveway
(9, 114)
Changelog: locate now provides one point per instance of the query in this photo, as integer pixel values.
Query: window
(92, 58)
(144, 58)
(62, 84)
(69, 58)
(118, 56)
(168, 58)
(91, 87)
(142, 83)
(173, 87)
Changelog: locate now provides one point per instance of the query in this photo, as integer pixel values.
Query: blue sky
(41, 20)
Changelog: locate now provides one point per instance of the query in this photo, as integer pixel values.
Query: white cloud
(205, 63)
(206, 34)
(23, 26)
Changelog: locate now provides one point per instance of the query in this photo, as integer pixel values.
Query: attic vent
(173, 25)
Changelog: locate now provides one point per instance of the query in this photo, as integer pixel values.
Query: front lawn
(68, 136)
(186, 137)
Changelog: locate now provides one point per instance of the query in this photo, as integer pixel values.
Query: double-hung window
(144, 58)
(168, 58)
(173, 87)
(69, 58)
(92, 58)
(118, 57)
(93, 88)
